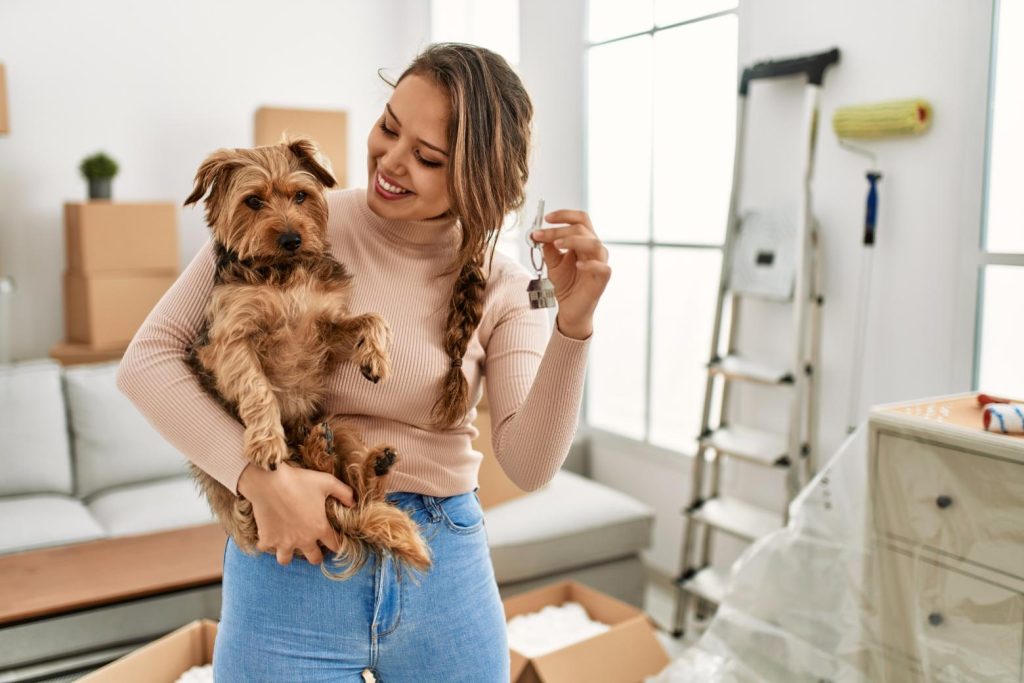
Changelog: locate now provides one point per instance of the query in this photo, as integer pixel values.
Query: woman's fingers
(585, 247)
(330, 540)
(313, 554)
(569, 216)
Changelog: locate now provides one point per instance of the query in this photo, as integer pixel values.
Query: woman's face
(407, 153)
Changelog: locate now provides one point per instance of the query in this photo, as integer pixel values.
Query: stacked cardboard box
(5, 126)
(121, 258)
(327, 127)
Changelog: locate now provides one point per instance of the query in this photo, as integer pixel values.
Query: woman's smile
(389, 189)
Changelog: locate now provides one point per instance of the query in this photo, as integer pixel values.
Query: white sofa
(80, 463)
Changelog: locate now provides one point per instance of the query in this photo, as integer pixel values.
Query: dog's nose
(290, 240)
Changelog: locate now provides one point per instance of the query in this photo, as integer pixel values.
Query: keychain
(541, 291)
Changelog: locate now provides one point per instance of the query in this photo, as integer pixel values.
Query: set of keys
(541, 291)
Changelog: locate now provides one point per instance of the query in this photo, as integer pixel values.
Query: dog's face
(266, 202)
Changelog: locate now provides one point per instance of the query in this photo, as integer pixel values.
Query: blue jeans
(282, 623)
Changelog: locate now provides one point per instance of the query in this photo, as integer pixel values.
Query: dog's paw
(323, 433)
(268, 454)
(368, 373)
(383, 461)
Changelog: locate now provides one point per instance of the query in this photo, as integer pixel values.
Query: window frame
(984, 257)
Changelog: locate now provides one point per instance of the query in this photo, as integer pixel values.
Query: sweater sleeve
(156, 378)
(534, 396)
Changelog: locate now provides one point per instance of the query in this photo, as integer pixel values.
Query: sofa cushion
(41, 520)
(572, 522)
(36, 455)
(152, 506)
(113, 444)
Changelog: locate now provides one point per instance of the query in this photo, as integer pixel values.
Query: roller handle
(813, 65)
(871, 215)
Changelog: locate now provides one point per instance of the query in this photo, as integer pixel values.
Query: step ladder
(770, 254)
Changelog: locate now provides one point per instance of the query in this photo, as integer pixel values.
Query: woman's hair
(488, 150)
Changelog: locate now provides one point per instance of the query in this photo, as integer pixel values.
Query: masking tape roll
(883, 119)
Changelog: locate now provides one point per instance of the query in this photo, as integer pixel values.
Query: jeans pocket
(463, 513)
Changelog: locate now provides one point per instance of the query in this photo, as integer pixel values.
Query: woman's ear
(309, 157)
(214, 173)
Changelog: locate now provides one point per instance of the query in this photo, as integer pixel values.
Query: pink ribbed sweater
(534, 373)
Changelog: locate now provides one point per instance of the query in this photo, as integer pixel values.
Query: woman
(447, 161)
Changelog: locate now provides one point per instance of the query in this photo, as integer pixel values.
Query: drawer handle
(935, 618)
(943, 501)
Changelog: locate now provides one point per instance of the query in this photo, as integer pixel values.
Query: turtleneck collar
(431, 234)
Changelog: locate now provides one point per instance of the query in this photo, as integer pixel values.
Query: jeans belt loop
(432, 506)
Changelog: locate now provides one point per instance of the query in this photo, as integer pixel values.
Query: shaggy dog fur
(276, 326)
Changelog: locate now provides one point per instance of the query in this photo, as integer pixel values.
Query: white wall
(159, 85)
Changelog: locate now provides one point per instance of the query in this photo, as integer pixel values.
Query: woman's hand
(578, 274)
(288, 505)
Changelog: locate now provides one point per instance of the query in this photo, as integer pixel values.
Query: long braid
(464, 315)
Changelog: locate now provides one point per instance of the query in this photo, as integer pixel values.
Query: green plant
(98, 166)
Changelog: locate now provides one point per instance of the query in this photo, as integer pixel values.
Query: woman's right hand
(288, 505)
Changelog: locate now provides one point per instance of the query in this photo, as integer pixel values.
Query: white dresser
(945, 581)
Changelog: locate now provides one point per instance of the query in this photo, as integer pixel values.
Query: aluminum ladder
(769, 255)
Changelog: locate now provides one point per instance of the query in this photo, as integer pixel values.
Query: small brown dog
(276, 325)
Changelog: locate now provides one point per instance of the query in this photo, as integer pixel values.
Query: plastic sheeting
(826, 600)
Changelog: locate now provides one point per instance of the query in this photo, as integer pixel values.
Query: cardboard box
(626, 653)
(70, 353)
(105, 311)
(329, 128)
(495, 486)
(163, 660)
(5, 123)
(103, 237)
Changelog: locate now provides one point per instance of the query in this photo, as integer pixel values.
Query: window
(661, 117)
(1000, 328)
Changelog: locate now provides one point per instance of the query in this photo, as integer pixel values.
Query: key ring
(536, 247)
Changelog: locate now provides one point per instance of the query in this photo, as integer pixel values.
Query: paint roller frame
(876, 121)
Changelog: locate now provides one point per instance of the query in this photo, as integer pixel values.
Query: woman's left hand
(578, 274)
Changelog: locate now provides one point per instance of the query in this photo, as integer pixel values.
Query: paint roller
(875, 121)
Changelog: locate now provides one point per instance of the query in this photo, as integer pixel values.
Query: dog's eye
(300, 197)
(254, 202)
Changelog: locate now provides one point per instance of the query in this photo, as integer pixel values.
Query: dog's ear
(213, 172)
(309, 156)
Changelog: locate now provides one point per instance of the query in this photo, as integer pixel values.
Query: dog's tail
(377, 527)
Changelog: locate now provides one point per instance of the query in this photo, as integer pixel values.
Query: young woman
(447, 160)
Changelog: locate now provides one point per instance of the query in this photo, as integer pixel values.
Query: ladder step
(709, 583)
(755, 445)
(735, 517)
(737, 368)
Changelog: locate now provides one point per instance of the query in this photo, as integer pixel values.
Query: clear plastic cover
(903, 561)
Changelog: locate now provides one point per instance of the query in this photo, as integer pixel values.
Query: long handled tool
(872, 121)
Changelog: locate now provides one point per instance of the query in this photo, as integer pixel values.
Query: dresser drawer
(968, 505)
(953, 626)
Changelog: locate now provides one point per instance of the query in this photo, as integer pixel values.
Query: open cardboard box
(164, 660)
(626, 653)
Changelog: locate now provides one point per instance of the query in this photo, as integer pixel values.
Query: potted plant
(99, 170)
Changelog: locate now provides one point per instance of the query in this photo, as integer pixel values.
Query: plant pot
(99, 188)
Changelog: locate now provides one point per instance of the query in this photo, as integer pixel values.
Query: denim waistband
(421, 499)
